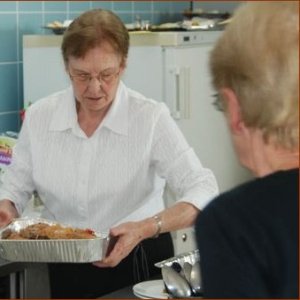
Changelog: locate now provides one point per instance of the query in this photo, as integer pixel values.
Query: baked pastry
(43, 231)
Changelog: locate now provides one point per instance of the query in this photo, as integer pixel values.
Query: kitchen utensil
(176, 285)
(195, 278)
(190, 257)
(187, 268)
(176, 266)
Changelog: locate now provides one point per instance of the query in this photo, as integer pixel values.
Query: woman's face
(95, 78)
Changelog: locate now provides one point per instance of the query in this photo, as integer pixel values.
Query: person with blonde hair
(248, 237)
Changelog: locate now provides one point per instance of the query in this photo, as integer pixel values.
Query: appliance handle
(182, 90)
(177, 113)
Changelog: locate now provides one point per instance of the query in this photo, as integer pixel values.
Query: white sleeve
(17, 180)
(177, 162)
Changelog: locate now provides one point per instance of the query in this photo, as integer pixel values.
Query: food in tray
(43, 231)
(55, 24)
(42, 240)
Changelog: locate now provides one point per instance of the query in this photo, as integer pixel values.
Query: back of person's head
(91, 29)
(258, 58)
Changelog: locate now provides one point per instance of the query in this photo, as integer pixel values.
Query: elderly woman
(99, 155)
(248, 237)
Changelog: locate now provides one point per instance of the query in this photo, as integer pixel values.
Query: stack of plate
(152, 289)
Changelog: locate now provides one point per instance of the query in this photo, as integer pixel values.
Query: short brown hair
(92, 28)
(258, 58)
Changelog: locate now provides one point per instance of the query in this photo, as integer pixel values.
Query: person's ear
(123, 66)
(233, 110)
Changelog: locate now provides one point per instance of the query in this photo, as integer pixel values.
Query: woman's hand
(7, 212)
(127, 236)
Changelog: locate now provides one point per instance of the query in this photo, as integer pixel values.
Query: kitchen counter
(137, 38)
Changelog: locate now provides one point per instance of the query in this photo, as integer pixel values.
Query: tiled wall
(28, 17)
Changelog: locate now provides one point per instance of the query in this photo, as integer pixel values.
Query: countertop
(137, 38)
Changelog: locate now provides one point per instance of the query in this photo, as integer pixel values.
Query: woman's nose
(94, 84)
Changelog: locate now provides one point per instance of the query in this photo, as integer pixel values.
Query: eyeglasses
(106, 77)
(218, 103)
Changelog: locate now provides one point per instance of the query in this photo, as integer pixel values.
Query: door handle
(181, 100)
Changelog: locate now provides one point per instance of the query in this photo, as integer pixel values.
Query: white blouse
(118, 174)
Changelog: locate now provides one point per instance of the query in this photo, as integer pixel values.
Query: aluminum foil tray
(67, 250)
(190, 257)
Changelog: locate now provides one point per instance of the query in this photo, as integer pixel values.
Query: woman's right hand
(7, 212)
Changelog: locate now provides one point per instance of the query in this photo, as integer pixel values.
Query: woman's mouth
(94, 98)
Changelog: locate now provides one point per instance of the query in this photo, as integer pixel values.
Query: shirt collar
(117, 116)
(65, 116)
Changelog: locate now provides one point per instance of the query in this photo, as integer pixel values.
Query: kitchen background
(28, 17)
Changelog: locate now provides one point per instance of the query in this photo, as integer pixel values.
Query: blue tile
(162, 18)
(180, 6)
(79, 5)
(175, 17)
(102, 4)
(55, 5)
(145, 16)
(29, 24)
(140, 6)
(8, 6)
(51, 17)
(126, 18)
(122, 5)
(222, 6)
(8, 87)
(8, 37)
(162, 6)
(156, 19)
(74, 15)
(20, 103)
(9, 122)
(30, 5)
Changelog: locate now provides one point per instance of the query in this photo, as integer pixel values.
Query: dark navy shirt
(248, 240)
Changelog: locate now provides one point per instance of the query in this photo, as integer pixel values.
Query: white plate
(150, 289)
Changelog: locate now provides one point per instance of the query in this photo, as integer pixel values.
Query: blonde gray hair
(258, 58)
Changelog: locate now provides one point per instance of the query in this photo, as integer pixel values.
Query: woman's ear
(233, 110)
(123, 65)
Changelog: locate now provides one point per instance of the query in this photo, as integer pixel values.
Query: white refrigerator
(177, 73)
(166, 66)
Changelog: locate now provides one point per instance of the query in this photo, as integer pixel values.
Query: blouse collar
(116, 119)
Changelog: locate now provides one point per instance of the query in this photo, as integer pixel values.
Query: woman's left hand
(127, 236)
